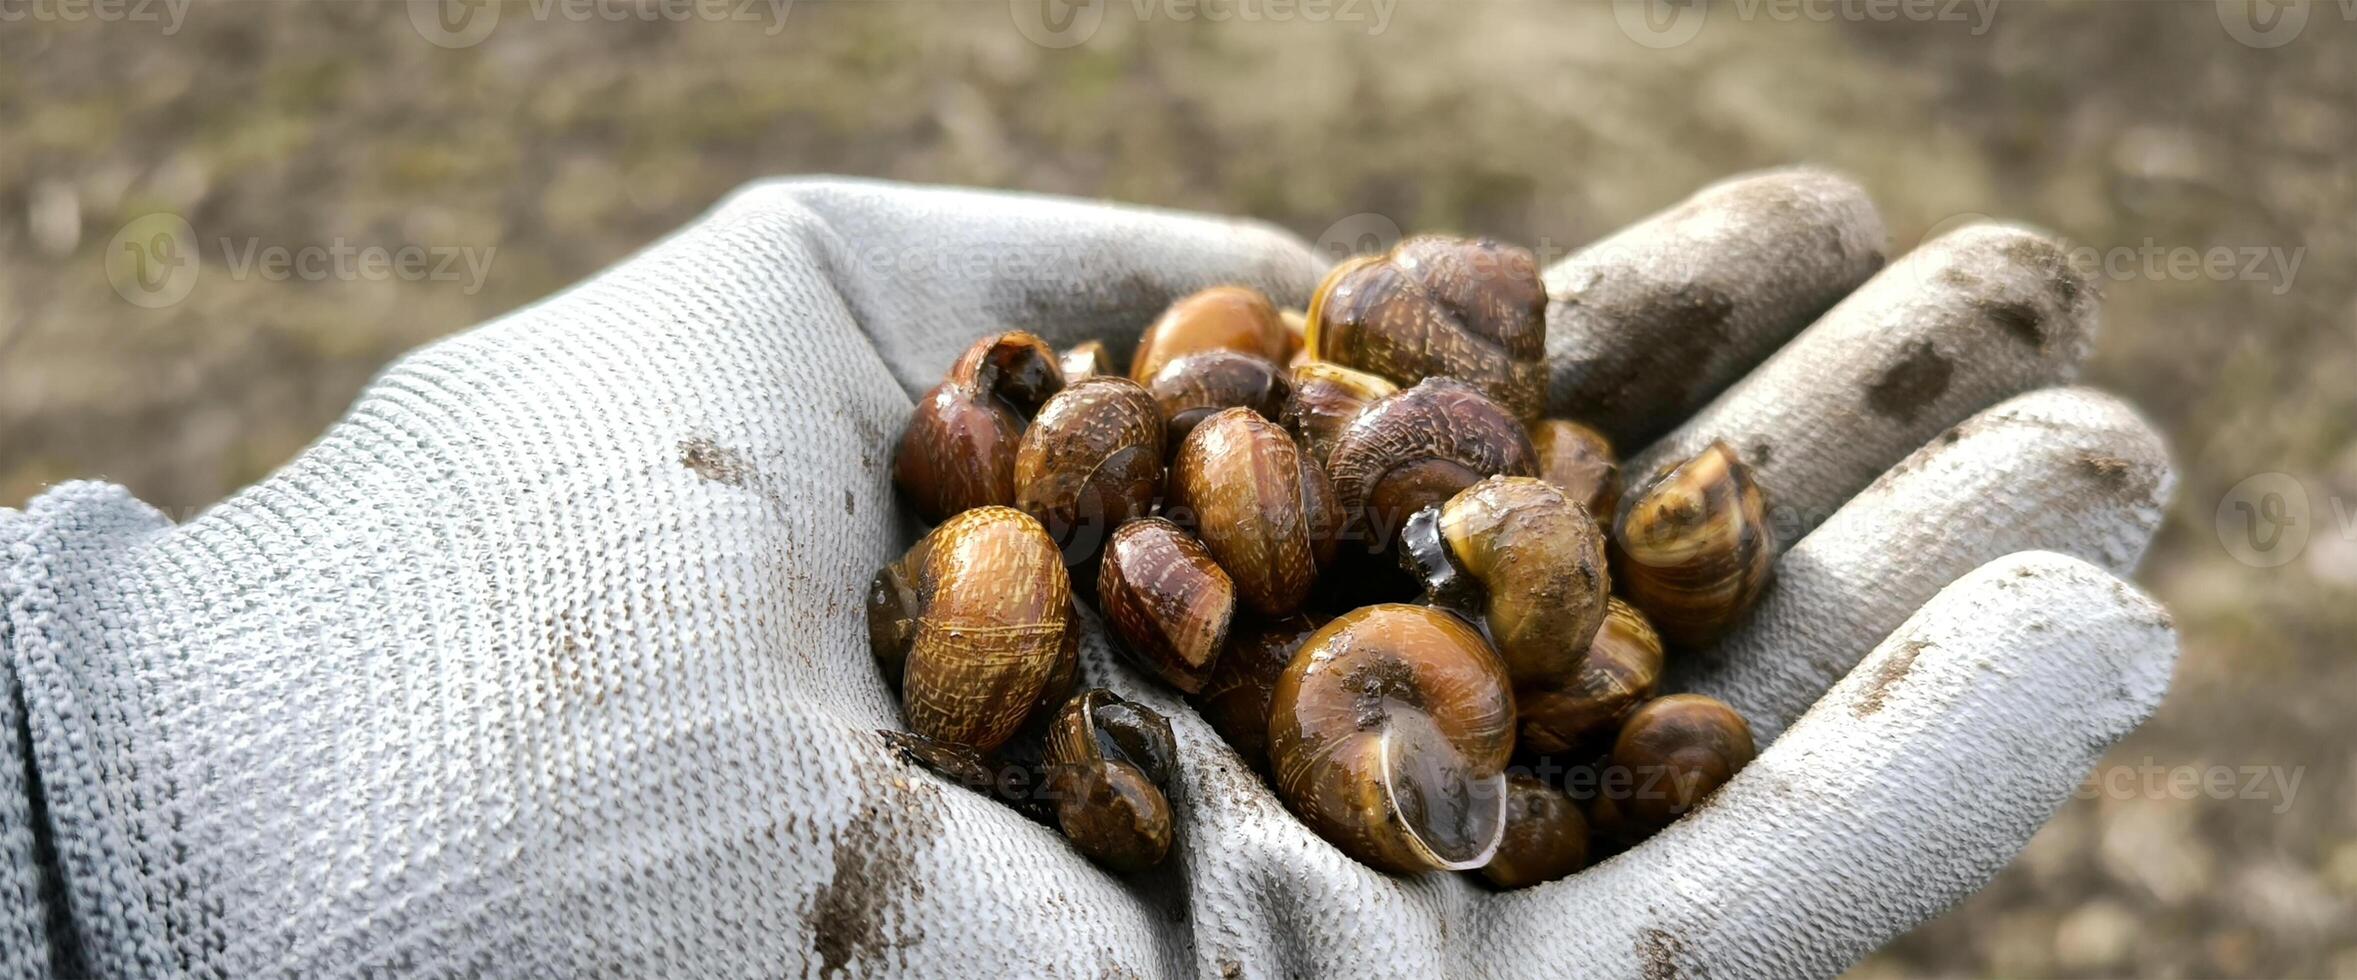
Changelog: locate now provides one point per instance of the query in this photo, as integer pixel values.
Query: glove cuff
(72, 898)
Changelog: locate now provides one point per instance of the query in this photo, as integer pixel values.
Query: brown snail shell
(1524, 560)
(1581, 461)
(1091, 460)
(1235, 700)
(1389, 734)
(1693, 551)
(1194, 387)
(975, 621)
(1167, 600)
(1619, 672)
(1326, 397)
(1418, 447)
(958, 452)
(1296, 337)
(1266, 512)
(1671, 754)
(1108, 761)
(1546, 836)
(1436, 306)
(1230, 318)
(1087, 359)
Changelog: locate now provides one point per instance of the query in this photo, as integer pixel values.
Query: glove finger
(2067, 470)
(1908, 786)
(1645, 326)
(1966, 321)
(926, 270)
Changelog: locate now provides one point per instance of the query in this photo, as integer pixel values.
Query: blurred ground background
(556, 146)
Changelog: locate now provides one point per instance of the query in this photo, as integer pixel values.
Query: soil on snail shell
(1383, 689)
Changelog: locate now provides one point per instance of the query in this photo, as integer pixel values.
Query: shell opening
(1451, 816)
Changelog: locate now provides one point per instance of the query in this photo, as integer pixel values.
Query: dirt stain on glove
(713, 461)
(852, 916)
(1886, 677)
(1917, 380)
(1658, 953)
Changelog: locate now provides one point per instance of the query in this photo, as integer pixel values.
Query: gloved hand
(548, 659)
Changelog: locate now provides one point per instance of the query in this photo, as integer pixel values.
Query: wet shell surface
(1166, 600)
(1693, 551)
(1091, 460)
(974, 621)
(1419, 447)
(1389, 734)
(1229, 318)
(1436, 306)
(1266, 513)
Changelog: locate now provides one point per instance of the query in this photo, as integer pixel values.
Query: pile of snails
(1423, 612)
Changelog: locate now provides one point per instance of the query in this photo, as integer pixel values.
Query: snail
(1418, 447)
(1086, 359)
(1590, 701)
(1266, 513)
(1091, 460)
(1195, 387)
(974, 623)
(1580, 460)
(1108, 762)
(1436, 306)
(1671, 753)
(1235, 699)
(1166, 599)
(1546, 837)
(1694, 550)
(1231, 318)
(958, 452)
(1326, 397)
(1389, 734)
(1522, 559)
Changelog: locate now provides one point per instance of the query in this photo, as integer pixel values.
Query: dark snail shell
(1417, 448)
(958, 452)
(1588, 704)
(1229, 318)
(1389, 734)
(1580, 460)
(1195, 387)
(974, 621)
(1326, 397)
(1546, 836)
(1091, 460)
(1266, 512)
(1671, 754)
(1088, 359)
(1108, 762)
(1693, 551)
(1518, 556)
(1440, 307)
(1235, 700)
(1167, 600)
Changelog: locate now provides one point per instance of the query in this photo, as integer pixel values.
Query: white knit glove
(548, 659)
